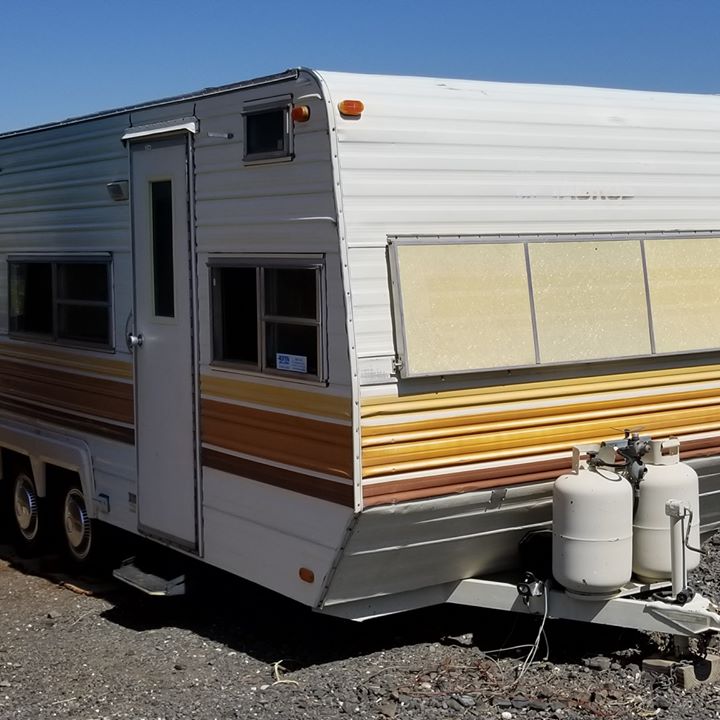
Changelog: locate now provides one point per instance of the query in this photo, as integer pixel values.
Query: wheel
(28, 512)
(78, 528)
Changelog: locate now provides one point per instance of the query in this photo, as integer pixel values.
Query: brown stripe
(309, 444)
(107, 399)
(88, 425)
(279, 477)
(705, 447)
(392, 497)
(467, 481)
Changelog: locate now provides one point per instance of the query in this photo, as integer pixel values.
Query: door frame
(186, 127)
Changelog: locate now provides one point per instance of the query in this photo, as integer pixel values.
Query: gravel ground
(89, 649)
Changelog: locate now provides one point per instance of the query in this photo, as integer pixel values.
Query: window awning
(188, 124)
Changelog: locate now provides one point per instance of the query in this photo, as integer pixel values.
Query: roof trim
(290, 74)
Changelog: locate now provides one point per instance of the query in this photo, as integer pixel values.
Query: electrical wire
(536, 645)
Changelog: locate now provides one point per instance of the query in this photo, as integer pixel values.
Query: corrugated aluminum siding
(455, 157)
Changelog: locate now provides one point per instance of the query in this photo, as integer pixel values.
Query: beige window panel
(465, 306)
(472, 304)
(684, 281)
(584, 294)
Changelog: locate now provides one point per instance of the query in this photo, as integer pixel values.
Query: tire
(79, 531)
(27, 512)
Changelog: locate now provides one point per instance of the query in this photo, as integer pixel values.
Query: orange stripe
(310, 444)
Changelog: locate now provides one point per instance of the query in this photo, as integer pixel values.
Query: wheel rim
(25, 507)
(76, 522)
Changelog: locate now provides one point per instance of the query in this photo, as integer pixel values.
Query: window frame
(263, 318)
(102, 259)
(256, 107)
(404, 361)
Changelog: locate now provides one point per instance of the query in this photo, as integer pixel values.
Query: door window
(161, 213)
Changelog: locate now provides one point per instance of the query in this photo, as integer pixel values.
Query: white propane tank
(592, 527)
(667, 479)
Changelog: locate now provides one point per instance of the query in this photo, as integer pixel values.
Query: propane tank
(592, 525)
(667, 479)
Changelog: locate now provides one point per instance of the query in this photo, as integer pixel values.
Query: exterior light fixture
(118, 190)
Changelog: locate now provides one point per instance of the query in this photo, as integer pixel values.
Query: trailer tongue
(635, 606)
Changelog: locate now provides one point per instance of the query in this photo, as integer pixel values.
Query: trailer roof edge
(289, 74)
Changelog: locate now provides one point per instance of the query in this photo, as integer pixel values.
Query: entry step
(152, 581)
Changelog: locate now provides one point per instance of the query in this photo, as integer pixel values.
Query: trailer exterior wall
(453, 470)
(278, 488)
(447, 158)
(53, 202)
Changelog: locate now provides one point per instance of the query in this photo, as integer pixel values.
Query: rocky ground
(89, 649)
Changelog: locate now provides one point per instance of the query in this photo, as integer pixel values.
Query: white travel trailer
(339, 333)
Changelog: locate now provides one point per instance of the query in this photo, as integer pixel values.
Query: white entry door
(165, 406)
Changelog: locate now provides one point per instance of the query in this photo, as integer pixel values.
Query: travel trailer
(339, 334)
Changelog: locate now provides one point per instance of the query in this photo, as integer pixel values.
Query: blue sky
(61, 58)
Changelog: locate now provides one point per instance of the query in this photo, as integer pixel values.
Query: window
(267, 133)
(473, 304)
(64, 301)
(162, 248)
(267, 317)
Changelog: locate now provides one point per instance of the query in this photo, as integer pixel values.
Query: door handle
(134, 341)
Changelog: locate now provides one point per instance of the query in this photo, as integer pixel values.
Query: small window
(62, 301)
(267, 133)
(267, 318)
(162, 248)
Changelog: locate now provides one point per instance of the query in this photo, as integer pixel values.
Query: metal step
(153, 582)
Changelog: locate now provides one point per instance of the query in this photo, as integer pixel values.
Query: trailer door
(162, 340)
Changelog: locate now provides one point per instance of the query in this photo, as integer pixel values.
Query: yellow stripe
(526, 421)
(311, 403)
(537, 417)
(46, 355)
(527, 438)
(453, 399)
(510, 453)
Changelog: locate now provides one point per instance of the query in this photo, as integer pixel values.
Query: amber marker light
(300, 113)
(306, 575)
(351, 108)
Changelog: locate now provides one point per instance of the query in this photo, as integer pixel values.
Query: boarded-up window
(589, 300)
(684, 281)
(464, 305)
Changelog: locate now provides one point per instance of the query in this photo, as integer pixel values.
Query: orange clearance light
(352, 108)
(307, 575)
(300, 113)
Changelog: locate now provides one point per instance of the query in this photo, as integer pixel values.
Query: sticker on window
(291, 363)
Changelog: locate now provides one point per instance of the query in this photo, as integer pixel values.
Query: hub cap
(77, 524)
(25, 506)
